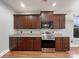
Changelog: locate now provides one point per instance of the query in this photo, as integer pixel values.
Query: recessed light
(22, 5)
(54, 4)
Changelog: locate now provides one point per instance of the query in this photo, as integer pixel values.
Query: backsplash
(27, 31)
(38, 31)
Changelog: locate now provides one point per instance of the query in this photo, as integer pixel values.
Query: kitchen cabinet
(21, 21)
(46, 15)
(13, 43)
(62, 44)
(35, 22)
(58, 20)
(66, 44)
(36, 44)
(62, 21)
(25, 43)
(27, 22)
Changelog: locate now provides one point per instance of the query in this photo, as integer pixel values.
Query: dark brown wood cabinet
(34, 21)
(12, 43)
(37, 44)
(25, 43)
(21, 22)
(62, 21)
(58, 20)
(34, 43)
(46, 15)
(62, 44)
(66, 44)
(27, 22)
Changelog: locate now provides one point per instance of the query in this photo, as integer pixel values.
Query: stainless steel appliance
(48, 41)
(46, 25)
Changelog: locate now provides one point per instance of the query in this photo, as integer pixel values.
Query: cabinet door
(58, 44)
(27, 22)
(62, 44)
(37, 44)
(46, 16)
(13, 43)
(20, 43)
(66, 44)
(35, 22)
(56, 21)
(21, 22)
(29, 44)
(62, 21)
(25, 43)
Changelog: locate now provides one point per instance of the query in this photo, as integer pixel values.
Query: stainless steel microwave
(47, 25)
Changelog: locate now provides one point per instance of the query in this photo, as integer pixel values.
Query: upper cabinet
(33, 21)
(21, 22)
(27, 22)
(46, 15)
(62, 21)
(58, 21)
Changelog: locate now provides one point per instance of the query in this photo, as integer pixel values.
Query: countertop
(33, 35)
(25, 35)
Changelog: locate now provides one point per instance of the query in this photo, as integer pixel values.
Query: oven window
(48, 43)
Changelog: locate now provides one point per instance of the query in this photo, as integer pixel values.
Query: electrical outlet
(71, 41)
(30, 31)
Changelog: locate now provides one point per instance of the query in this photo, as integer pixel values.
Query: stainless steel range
(48, 41)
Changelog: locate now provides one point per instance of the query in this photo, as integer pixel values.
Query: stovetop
(47, 35)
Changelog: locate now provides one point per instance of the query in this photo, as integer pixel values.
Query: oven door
(48, 43)
(48, 46)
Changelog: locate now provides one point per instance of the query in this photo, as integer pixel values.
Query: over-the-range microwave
(47, 25)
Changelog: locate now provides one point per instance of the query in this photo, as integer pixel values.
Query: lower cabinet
(62, 44)
(12, 43)
(37, 44)
(34, 43)
(25, 43)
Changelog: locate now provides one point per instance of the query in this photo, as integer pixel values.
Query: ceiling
(39, 5)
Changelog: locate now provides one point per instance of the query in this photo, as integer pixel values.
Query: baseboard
(4, 52)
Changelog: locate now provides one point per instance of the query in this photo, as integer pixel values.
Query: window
(76, 27)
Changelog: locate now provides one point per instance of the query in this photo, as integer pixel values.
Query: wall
(75, 41)
(6, 26)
